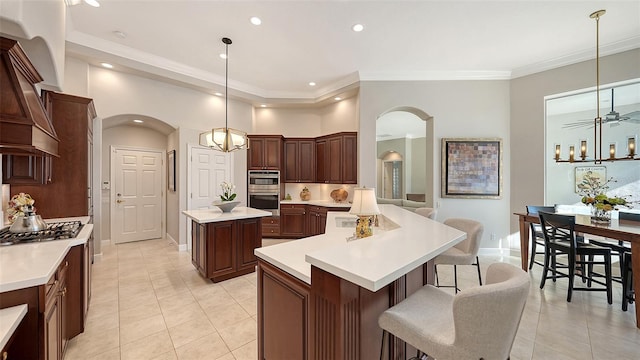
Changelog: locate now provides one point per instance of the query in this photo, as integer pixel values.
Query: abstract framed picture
(472, 168)
(171, 170)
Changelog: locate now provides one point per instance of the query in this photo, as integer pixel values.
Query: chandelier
(598, 122)
(225, 139)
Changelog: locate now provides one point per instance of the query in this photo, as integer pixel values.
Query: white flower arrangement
(16, 204)
(228, 193)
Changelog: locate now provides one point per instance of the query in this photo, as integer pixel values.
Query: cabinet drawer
(270, 230)
(273, 221)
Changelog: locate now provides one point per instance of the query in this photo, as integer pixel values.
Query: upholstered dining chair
(537, 239)
(477, 323)
(463, 253)
(427, 212)
(560, 239)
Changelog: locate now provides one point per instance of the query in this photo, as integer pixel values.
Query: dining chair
(537, 239)
(560, 239)
(622, 249)
(628, 294)
(427, 212)
(477, 323)
(463, 253)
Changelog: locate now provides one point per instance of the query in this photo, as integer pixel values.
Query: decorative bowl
(226, 206)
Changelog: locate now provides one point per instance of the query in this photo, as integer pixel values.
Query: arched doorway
(404, 145)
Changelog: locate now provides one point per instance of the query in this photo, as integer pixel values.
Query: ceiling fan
(613, 118)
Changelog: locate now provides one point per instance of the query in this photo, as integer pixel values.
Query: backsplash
(318, 191)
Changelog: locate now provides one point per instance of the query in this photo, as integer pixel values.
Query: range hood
(25, 127)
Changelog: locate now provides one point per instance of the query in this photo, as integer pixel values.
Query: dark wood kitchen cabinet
(271, 226)
(56, 310)
(265, 152)
(337, 158)
(299, 160)
(223, 250)
(293, 220)
(68, 184)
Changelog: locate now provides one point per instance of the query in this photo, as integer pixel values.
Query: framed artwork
(472, 168)
(171, 170)
(596, 171)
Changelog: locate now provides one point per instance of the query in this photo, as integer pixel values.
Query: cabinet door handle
(5, 355)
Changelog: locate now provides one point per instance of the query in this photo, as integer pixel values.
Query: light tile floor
(149, 302)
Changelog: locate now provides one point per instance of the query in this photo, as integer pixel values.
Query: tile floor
(148, 302)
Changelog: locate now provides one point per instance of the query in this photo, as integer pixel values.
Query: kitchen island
(52, 278)
(320, 297)
(223, 243)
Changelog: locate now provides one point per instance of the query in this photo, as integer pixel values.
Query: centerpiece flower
(228, 193)
(16, 204)
(226, 202)
(593, 192)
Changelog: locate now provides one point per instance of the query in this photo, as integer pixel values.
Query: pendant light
(225, 139)
(598, 121)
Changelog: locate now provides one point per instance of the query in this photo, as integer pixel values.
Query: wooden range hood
(25, 127)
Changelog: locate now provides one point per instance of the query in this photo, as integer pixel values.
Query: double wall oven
(264, 190)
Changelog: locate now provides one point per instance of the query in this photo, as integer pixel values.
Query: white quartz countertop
(213, 215)
(10, 318)
(372, 262)
(32, 264)
(325, 203)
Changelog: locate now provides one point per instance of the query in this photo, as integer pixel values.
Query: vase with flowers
(593, 192)
(17, 206)
(227, 200)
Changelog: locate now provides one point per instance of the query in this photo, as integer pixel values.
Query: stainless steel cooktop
(54, 231)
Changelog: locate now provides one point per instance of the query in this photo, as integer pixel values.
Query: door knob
(119, 201)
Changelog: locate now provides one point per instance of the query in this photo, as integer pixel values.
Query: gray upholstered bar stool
(463, 253)
(427, 212)
(477, 323)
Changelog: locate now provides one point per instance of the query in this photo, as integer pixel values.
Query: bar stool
(463, 253)
(478, 323)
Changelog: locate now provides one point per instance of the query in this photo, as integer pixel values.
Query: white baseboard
(181, 247)
(496, 252)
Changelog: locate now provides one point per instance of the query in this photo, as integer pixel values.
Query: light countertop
(203, 216)
(10, 318)
(372, 262)
(32, 264)
(325, 203)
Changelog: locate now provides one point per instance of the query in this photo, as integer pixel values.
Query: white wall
(287, 122)
(459, 109)
(340, 116)
(527, 119)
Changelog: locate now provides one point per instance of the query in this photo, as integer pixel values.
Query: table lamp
(365, 206)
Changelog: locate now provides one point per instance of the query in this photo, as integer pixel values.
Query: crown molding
(436, 75)
(574, 58)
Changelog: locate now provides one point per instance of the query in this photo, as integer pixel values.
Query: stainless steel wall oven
(264, 190)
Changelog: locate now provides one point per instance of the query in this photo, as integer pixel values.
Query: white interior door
(209, 168)
(136, 211)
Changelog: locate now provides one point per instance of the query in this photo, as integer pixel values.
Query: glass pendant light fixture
(225, 139)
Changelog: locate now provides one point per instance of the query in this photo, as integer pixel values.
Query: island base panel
(283, 315)
(331, 319)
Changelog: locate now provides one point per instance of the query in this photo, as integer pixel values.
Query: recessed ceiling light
(217, 94)
(107, 65)
(337, 98)
(263, 105)
(93, 3)
(255, 20)
(357, 27)
(223, 56)
(120, 34)
(312, 84)
(138, 121)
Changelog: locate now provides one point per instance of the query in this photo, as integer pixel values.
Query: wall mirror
(402, 151)
(569, 123)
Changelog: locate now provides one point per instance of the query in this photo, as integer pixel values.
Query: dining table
(625, 230)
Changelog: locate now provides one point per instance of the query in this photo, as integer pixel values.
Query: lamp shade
(364, 202)
(224, 139)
